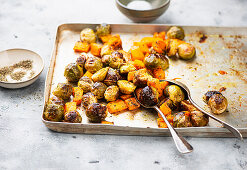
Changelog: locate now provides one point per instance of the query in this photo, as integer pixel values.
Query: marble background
(25, 143)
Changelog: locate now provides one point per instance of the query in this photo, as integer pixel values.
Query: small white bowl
(13, 56)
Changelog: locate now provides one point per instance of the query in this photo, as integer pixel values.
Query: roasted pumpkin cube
(81, 47)
(116, 106)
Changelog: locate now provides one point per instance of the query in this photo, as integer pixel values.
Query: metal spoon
(187, 94)
(182, 145)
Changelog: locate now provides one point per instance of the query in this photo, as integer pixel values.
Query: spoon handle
(182, 145)
(232, 129)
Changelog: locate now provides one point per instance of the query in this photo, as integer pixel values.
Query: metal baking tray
(217, 48)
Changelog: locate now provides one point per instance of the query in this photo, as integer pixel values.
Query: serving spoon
(187, 94)
(182, 145)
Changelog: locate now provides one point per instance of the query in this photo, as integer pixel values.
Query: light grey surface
(25, 143)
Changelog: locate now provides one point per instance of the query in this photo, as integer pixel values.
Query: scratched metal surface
(224, 49)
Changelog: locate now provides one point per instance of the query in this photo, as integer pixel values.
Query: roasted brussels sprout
(81, 60)
(56, 100)
(217, 103)
(73, 72)
(96, 112)
(112, 77)
(98, 89)
(103, 30)
(186, 51)
(148, 96)
(88, 99)
(141, 78)
(88, 35)
(54, 112)
(116, 59)
(85, 83)
(209, 94)
(100, 75)
(63, 91)
(72, 117)
(199, 119)
(182, 119)
(105, 50)
(106, 60)
(126, 87)
(126, 68)
(153, 61)
(172, 47)
(175, 93)
(111, 93)
(93, 64)
(175, 33)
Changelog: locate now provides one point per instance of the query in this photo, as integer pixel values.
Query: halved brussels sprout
(126, 68)
(105, 50)
(100, 75)
(85, 83)
(93, 64)
(172, 47)
(88, 99)
(56, 100)
(111, 93)
(72, 117)
(186, 51)
(98, 89)
(81, 60)
(148, 96)
(112, 77)
(175, 33)
(153, 61)
(182, 119)
(63, 91)
(96, 112)
(106, 60)
(199, 119)
(54, 112)
(88, 35)
(116, 59)
(209, 94)
(126, 87)
(103, 30)
(73, 72)
(141, 77)
(217, 103)
(175, 93)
